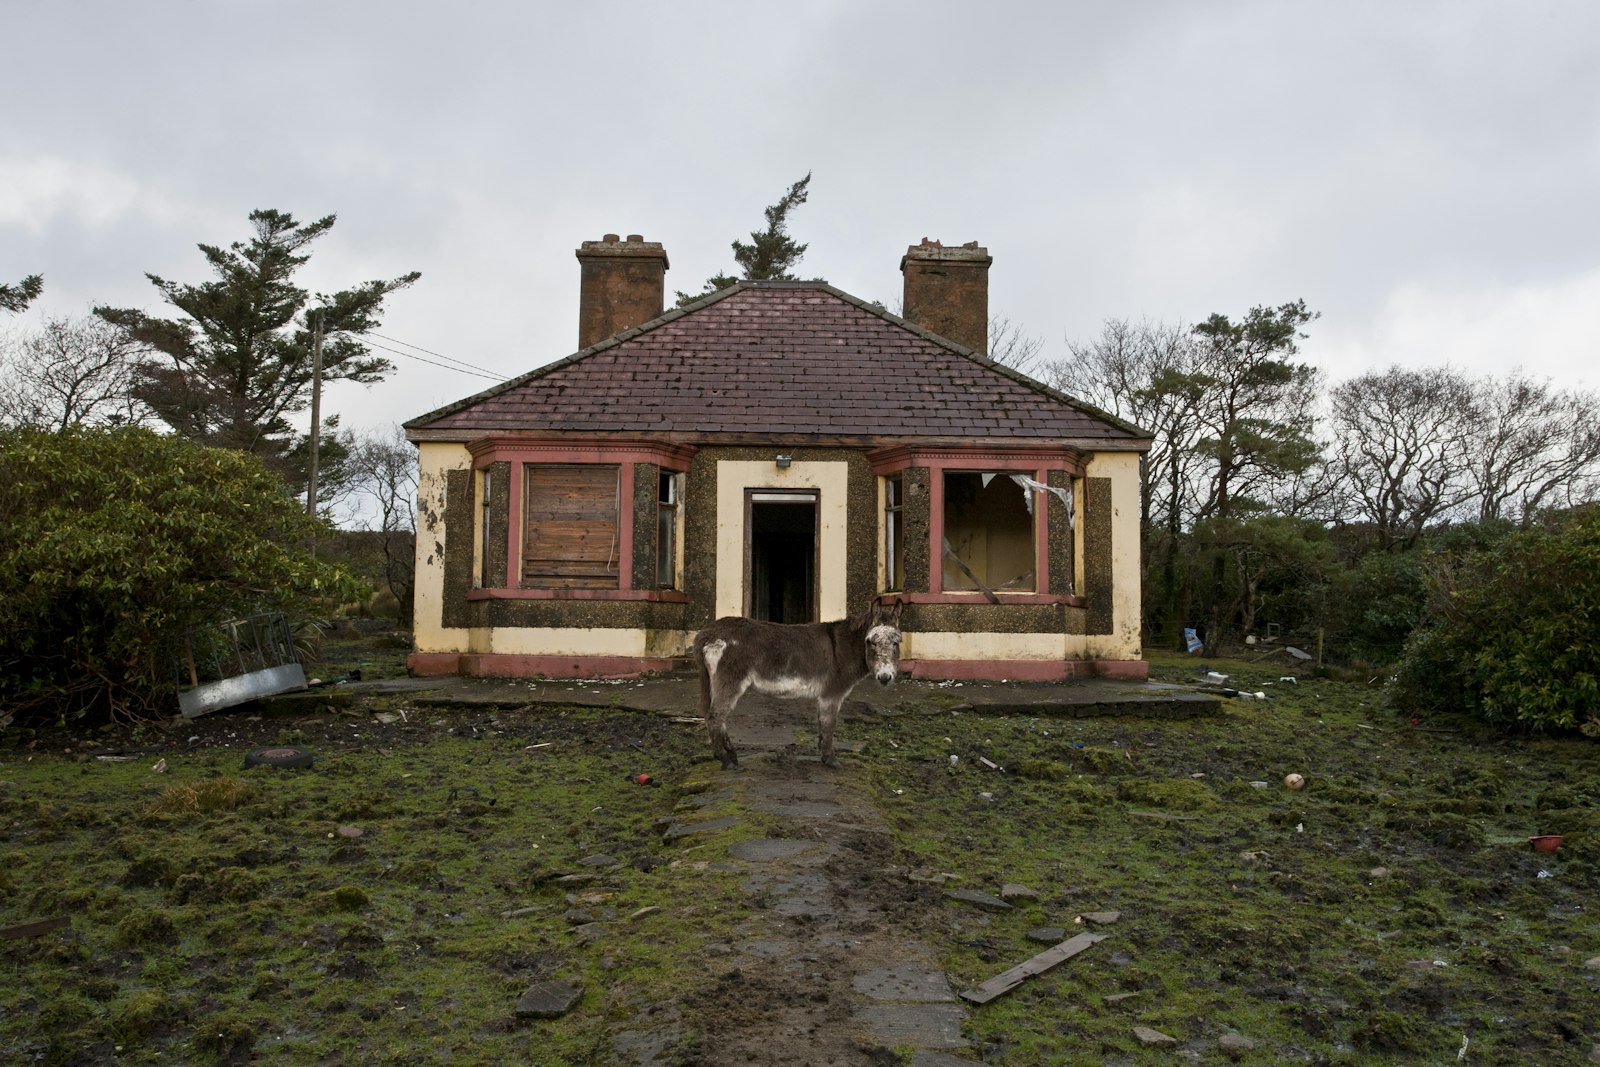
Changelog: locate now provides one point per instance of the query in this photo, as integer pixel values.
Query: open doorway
(781, 556)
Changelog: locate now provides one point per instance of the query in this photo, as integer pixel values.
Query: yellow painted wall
(830, 479)
(1124, 641)
(436, 459)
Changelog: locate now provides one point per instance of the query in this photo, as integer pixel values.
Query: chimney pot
(622, 285)
(947, 291)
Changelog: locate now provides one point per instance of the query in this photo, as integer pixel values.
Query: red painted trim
(625, 528)
(989, 456)
(664, 596)
(519, 451)
(970, 597)
(431, 664)
(511, 448)
(515, 666)
(1026, 670)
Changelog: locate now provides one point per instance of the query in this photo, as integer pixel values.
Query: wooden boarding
(34, 929)
(1004, 983)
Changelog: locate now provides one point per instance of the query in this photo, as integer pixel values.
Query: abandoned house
(783, 451)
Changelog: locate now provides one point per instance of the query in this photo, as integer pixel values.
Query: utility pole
(316, 413)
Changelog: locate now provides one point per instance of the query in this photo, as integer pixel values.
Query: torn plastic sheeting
(1031, 486)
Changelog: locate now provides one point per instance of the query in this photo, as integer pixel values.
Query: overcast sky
(1426, 175)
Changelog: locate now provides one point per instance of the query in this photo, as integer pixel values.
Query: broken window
(485, 548)
(669, 489)
(988, 533)
(894, 565)
(571, 526)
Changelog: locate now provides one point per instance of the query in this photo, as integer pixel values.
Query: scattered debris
(350, 833)
(987, 901)
(159, 767)
(549, 1000)
(1258, 785)
(993, 766)
(642, 912)
(34, 929)
(1294, 781)
(1118, 998)
(1148, 1036)
(1216, 679)
(1016, 890)
(1044, 961)
(1297, 653)
(1101, 918)
(1049, 935)
(1234, 1046)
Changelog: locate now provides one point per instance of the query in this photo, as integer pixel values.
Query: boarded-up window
(570, 533)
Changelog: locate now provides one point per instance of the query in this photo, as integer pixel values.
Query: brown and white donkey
(819, 660)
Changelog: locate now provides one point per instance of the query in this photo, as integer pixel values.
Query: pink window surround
(518, 452)
(1034, 462)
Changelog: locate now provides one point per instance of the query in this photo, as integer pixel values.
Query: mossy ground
(219, 915)
(1380, 915)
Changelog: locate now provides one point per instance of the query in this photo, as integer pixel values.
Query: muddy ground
(398, 900)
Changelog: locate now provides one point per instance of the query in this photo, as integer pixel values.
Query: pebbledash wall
(1080, 615)
(1084, 621)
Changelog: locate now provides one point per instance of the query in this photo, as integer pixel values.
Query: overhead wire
(459, 370)
(440, 355)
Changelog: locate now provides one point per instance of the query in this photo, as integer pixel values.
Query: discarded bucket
(1545, 842)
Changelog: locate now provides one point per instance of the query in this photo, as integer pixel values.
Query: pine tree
(771, 253)
(18, 297)
(240, 362)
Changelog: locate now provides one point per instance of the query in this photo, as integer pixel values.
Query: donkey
(820, 660)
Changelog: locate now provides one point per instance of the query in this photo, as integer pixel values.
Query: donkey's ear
(892, 615)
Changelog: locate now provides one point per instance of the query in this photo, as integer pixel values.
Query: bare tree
(1533, 446)
(383, 468)
(1009, 345)
(1137, 371)
(1403, 440)
(72, 371)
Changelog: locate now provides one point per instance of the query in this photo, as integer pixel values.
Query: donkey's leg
(724, 696)
(827, 719)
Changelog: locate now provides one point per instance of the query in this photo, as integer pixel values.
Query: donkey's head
(883, 642)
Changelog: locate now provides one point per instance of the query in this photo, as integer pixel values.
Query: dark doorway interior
(782, 577)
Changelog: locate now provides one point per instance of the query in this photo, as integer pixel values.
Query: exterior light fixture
(783, 460)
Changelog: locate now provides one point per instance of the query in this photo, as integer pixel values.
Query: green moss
(146, 928)
(135, 1016)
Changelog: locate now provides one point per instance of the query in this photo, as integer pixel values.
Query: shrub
(117, 541)
(1512, 633)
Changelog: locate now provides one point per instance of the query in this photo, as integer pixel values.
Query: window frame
(625, 456)
(1033, 461)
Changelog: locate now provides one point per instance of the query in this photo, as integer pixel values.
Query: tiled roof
(786, 359)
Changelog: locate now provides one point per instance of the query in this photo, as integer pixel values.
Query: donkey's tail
(698, 655)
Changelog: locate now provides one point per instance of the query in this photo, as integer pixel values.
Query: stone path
(830, 976)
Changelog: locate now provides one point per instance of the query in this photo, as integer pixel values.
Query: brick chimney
(947, 291)
(623, 285)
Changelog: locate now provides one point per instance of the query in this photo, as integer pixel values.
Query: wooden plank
(1050, 957)
(34, 929)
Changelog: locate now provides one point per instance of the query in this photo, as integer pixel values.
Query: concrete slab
(909, 983)
(927, 1026)
(766, 849)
